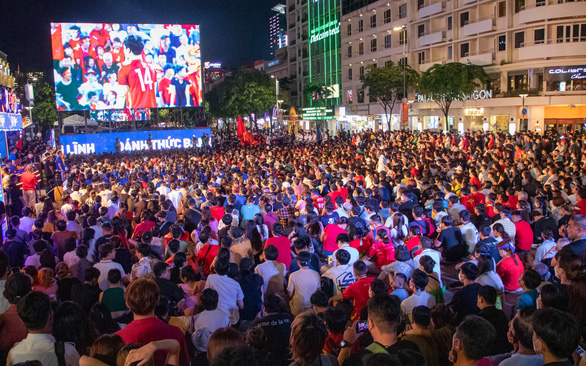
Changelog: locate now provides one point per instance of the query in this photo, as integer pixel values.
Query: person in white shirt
(343, 273)
(106, 264)
(27, 221)
(426, 244)
(418, 282)
(272, 272)
(36, 313)
(175, 196)
(230, 296)
(343, 241)
(508, 225)
(113, 206)
(547, 249)
(455, 207)
(163, 189)
(302, 284)
(211, 317)
(469, 231)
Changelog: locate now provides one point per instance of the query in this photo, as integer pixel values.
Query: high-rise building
(278, 29)
(533, 50)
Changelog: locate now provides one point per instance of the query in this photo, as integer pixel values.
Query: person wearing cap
(91, 85)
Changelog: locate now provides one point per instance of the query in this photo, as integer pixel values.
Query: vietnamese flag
(244, 136)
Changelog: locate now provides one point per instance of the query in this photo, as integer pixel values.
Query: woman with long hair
(206, 215)
(308, 337)
(567, 267)
(71, 324)
(487, 276)
(399, 229)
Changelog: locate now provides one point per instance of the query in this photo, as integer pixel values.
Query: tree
(446, 83)
(246, 92)
(45, 110)
(386, 85)
(317, 95)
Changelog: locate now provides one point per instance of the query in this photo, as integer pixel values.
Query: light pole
(403, 29)
(523, 109)
(276, 94)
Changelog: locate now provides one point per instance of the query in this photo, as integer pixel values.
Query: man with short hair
(417, 284)
(283, 245)
(211, 317)
(384, 316)
(465, 300)
(469, 231)
(192, 216)
(357, 291)
(343, 241)
(486, 302)
(556, 335)
(469, 343)
(577, 232)
(142, 296)
(230, 296)
(36, 313)
(341, 273)
(276, 325)
(107, 263)
(29, 183)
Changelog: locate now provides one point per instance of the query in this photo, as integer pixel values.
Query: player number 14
(144, 80)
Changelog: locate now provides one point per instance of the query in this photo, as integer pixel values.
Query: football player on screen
(137, 75)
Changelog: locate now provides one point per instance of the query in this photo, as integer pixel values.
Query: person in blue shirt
(398, 285)
(248, 211)
(59, 162)
(529, 282)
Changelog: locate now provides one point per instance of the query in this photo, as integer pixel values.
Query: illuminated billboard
(103, 66)
(121, 115)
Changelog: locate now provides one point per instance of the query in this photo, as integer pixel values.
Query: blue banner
(131, 141)
(10, 122)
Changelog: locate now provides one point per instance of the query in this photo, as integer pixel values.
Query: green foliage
(446, 83)
(386, 84)
(245, 92)
(45, 110)
(316, 95)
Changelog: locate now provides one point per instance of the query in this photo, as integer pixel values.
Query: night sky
(234, 32)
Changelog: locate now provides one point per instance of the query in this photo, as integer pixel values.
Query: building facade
(278, 29)
(533, 50)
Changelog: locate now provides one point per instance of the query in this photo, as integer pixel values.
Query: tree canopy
(446, 83)
(246, 92)
(45, 110)
(386, 84)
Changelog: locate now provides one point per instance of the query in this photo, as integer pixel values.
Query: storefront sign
(212, 65)
(474, 112)
(565, 73)
(476, 95)
(317, 113)
(325, 31)
(131, 141)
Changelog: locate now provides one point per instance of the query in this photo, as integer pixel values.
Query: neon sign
(325, 31)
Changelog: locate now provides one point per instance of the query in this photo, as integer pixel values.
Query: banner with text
(132, 141)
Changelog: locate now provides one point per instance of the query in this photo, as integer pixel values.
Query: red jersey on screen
(118, 56)
(140, 78)
(164, 92)
(58, 52)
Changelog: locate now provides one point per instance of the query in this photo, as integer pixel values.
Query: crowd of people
(370, 248)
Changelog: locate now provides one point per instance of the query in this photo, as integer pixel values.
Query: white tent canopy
(77, 121)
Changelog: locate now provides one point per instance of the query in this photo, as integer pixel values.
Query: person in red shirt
(207, 254)
(382, 249)
(166, 90)
(477, 196)
(29, 182)
(413, 244)
(282, 243)
(509, 268)
(138, 76)
(142, 296)
(358, 291)
(330, 234)
(467, 200)
(360, 243)
(524, 233)
(145, 225)
(581, 205)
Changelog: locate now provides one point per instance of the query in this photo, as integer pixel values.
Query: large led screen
(100, 66)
